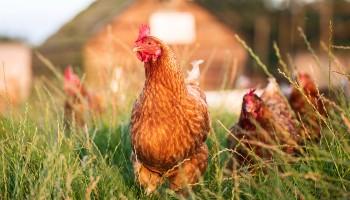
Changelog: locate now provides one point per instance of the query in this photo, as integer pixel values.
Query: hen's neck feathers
(165, 72)
(247, 123)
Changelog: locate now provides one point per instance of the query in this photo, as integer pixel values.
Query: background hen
(283, 115)
(264, 123)
(305, 103)
(249, 131)
(169, 121)
(79, 103)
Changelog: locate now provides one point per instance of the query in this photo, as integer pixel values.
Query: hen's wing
(304, 104)
(248, 144)
(235, 143)
(96, 103)
(74, 112)
(196, 106)
(197, 117)
(306, 112)
(282, 113)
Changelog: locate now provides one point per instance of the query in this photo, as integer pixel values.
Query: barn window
(173, 27)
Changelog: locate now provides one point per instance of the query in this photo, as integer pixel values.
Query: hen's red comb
(70, 76)
(251, 91)
(303, 75)
(144, 31)
(68, 73)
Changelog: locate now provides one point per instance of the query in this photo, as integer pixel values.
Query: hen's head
(72, 82)
(252, 106)
(307, 84)
(147, 48)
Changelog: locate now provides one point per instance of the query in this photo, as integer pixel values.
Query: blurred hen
(265, 122)
(79, 103)
(306, 102)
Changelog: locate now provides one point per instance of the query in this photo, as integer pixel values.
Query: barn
(16, 73)
(100, 40)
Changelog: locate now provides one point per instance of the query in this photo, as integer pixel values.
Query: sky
(35, 20)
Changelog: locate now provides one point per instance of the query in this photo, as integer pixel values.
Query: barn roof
(65, 46)
(68, 41)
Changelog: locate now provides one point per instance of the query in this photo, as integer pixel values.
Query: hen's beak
(136, 49)
(249, 108)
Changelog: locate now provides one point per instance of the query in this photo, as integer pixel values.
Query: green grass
(41, 160)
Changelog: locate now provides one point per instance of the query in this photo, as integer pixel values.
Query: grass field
(40, 159)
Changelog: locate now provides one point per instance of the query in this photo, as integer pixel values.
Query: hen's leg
(190, 170)
(145, 177)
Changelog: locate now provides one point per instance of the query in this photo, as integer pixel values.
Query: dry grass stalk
(92, 186)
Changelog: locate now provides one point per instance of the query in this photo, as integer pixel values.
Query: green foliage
(38, 163)
(40, 158)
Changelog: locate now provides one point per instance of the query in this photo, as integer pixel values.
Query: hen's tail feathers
(272, 86)
(194, 74)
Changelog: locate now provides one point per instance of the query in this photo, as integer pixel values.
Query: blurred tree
(261, 22)
(11, 39)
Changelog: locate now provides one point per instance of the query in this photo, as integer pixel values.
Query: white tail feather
(194, 74)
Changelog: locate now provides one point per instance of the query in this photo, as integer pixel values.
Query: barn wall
(16, 73)
(111, 47)
(319, 69)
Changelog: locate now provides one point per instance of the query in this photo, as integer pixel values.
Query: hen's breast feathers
(166, 131)
(168, 126)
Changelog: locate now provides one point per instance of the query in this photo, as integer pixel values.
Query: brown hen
(80, 103)
(283, 114)
(169, 121)
(305, 104)
(265, 122)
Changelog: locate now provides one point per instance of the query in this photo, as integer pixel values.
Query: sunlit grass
(42, 159)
